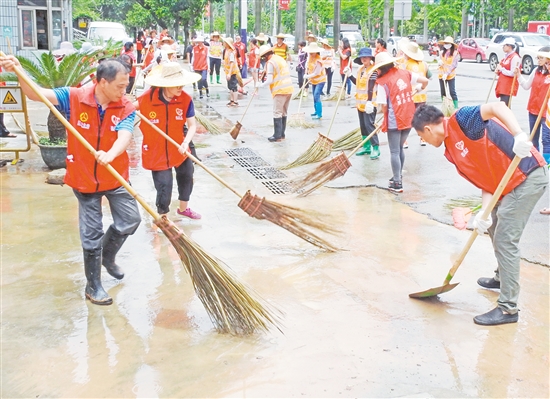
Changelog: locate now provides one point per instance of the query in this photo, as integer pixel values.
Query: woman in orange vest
(317, 76)
(380, 46)
(394, 97)
(166, 105)
(254, 60)
(539, 83)
(231, 69)
(480, 141)
(447, 68)
(505, 71)
(328, 61)
(149, 55)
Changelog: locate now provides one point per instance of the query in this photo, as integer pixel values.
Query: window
(28, 30)
(40, 25)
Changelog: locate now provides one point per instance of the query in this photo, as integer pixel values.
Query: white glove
(308, 76)
(369, 108)
(444, 77)
(347, 71)
(418, 88)
(522, 145)
(439, 62)
(481, 225)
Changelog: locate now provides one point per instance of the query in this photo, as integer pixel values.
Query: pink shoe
(189, 213)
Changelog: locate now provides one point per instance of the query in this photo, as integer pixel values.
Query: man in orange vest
(280, 84)
(281, 48)
(481, 142)
(105, 118)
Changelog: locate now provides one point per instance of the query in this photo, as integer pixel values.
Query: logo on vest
(460, 147)
(83, 118)
(179, 114)
(70, 158)
(152, 116)
(145, 147)
(401, 84)
(115, 119)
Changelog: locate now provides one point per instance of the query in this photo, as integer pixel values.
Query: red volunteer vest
(156, 152)
(539, 88)
(484, 162)
(199, 58)
(397, 84)
(504, 83)
(84, 174)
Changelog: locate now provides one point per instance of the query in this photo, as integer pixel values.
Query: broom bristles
(348, 141)
(319, 150)
(298, 120)
(233, 307)
(208, 125)
(322, 174)
(447, 107)
(292, 219)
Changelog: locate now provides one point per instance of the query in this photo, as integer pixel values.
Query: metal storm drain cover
(260, 169)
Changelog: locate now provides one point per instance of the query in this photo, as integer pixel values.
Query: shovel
(446, 286)
(235, 130)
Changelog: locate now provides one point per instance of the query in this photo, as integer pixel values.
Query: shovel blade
(433, 291)
(235, 130)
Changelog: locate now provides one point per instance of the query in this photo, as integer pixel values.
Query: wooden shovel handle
(193, 158)
(23, 76)
(496, 196)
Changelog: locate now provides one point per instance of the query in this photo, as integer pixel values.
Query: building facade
(28, 26)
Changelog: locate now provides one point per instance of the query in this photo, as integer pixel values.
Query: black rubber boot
(278, 128)
(284, 127)
(112, 241)
(92, 268)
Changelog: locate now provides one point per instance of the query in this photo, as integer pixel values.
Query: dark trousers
(138, 58)
(452, 90)
(329, 79)
(3, 130)
(300, 77)
(164, 181)
(505, 99)
(215, 63)
(131, 81)
(203, 83)
(366, 123)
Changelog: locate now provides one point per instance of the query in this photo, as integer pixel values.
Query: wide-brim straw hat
(312, 36)
(412, 50)
(214, 34)
(313, 47)
(198, 39)
(383, 58)
(281, 36)
(229, 41)
(171, 74)
(545, 54)
(167, 39)
(264, 49)
(65, 48)
(262, 37)
(448, 40)
(325, 42)
(508, 41)
(167, 49)
(364, 52)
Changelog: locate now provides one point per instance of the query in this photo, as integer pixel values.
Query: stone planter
(54, 156)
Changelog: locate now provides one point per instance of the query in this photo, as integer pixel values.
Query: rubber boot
(284, 127)
(547, 158)
(278, 128)
(112, 241)
(455, 102)
(375, 152)
(366, 149)
(318, 111)
(92, 268)
(211, 79)
(218, 79)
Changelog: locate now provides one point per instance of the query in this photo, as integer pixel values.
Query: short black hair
(108, 70)
(382, 42)
(128, 46)
(302, 43)
(426, 115)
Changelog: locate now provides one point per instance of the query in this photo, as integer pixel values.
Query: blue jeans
(348, 84)
(317, 91)
(545, 133)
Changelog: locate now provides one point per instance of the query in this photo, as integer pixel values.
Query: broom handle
(138, 74)
(512, 91)
(337, 103)
(491, 89)
(248, 106)
(301, 92)
(375, 131)
(23, 76)
(496, 196)
(193, 158)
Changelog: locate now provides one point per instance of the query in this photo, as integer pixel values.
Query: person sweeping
(280, 84)
(507, 85)
(102, 114)
(481, 142)
(166, 105)
(448, 63)
(231, 69)
(316, 75)
(364, 94)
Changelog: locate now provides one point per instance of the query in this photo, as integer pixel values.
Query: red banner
(284, 5)
(207, 10)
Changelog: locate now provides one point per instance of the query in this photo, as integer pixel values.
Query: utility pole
(257, 17)
(243, 20)
(336, 25)
(425, 32)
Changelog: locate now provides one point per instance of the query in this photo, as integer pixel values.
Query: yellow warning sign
(9, 99)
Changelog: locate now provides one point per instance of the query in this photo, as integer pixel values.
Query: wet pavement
(350, 329)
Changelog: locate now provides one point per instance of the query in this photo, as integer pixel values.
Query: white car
(529, 44)
(104, 31)
(393, 45)
(354, 38)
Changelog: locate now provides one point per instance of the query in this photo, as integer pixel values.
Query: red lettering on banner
(284, 4)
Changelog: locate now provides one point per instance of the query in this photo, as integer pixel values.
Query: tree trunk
(464, 26)
(56, 129)
(300, 28)
(511, 20)
(336, 25)
(386, 24)
(257, 17)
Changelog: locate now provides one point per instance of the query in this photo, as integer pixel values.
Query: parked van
(107, 30)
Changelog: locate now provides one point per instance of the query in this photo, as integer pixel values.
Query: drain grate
(277, 186)
(252, 162)
(267, 173)
(241, 152)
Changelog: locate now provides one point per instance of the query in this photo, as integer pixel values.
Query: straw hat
(167, 40)
(325, 43)
(412, 50)
(198, 39)
(383, 58)
(261, 37)
(313, 47)
(171, 74)
(448, 40)
(280, 36)
(545, 54)
(364, 52)
(229, 41)
(215, 33)
(65, 48)
(264, 49)
(312, 36)
(509, 41)
(167, 49)
(86, 48)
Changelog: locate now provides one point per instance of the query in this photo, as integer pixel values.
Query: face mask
(447, 46)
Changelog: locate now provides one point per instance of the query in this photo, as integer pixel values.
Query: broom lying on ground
(292, 219)
(321, 148)
(232, 307)
(328, 170)
(207, 123)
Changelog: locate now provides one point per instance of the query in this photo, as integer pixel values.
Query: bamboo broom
(328, 170)
(235, 130)
(448, 107)
(298, 119)
(322, 147)
(232, 307)
(350, 140)
(292, 219)
(208, 125)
